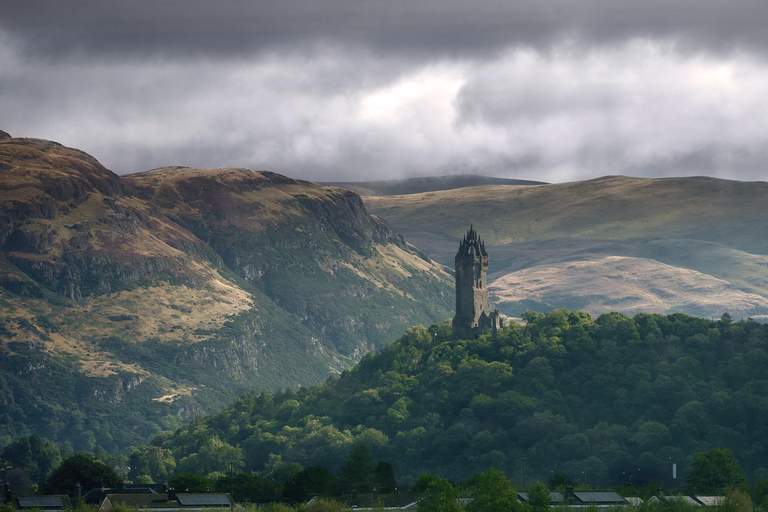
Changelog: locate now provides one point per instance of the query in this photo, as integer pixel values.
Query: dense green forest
(606, 402)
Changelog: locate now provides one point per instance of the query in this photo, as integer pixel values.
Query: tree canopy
(80, 469)
(715, 472)
(28, 462)
(602, 401)
(440, 496)
(494, 493)
(358, 471)
(538, 497)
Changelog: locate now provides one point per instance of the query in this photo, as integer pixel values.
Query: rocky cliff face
(171, 292)
(314, 250)
(67, 223)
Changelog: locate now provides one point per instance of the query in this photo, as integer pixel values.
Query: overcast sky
(551, 90)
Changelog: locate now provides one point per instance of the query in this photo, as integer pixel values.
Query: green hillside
(614, 397)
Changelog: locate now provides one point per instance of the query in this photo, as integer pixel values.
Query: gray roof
(96, 496)
(711, 501)
(599, 497)
(140, 501)
(204, 500)
(554, 497)
(43, 502)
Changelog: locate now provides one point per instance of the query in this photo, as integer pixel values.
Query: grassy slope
(711, 226)
(618, 283)
(615, 207)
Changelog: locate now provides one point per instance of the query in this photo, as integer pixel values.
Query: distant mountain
(130, 304)
(692, 245)
(425, 184)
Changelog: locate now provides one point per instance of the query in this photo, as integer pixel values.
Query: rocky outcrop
(68, 223)
(343, 211)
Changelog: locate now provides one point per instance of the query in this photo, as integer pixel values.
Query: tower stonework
(473, 316)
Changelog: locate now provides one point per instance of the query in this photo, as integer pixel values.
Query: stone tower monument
(473, 317)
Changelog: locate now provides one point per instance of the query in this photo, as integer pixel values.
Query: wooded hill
(604, 401)
(130, 304)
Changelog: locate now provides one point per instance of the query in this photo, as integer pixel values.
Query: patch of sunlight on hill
(624, 284)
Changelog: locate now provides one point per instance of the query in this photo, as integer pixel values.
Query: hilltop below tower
(473, 317)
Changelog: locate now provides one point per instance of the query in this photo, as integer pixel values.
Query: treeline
(289, 488)
(289, 482)
(606, 401)
(33, 466)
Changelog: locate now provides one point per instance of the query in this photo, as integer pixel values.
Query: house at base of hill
(54, 503)
(165, 502)
(710, 501)
(577, 499)
(696, 501)
(555, 498)
(598, 499)
(97, 495)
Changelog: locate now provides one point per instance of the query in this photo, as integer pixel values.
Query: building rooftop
(710, 501)
(598, 497)
(140, 500)
(160, 501)
(554, 497)
(203, 500)
(685, 499)
(43, 502)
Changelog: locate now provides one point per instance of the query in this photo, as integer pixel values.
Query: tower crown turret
(471, 244)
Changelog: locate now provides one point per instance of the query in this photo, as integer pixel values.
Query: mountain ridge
(426, 184)
(172, 292)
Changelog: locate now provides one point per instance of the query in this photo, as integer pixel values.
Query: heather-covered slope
(131, 304)
(685, 237)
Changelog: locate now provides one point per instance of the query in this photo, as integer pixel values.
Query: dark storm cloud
(357, 89)
(426, 27)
